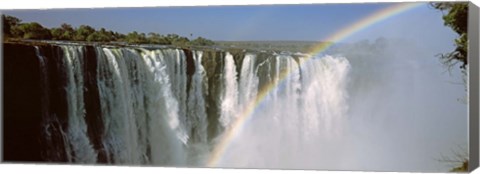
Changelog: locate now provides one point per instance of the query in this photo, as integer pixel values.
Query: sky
(262, 22)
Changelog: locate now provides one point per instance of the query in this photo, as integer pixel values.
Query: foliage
(461, 168)
(178, 40)
(276, 46)
(458, 160)
(137, 38)
(32, 30)
(14, 29)
(82, 33)
(200, 41)
(9, 22)
(65, 32)
(156, 38)
(457, 19)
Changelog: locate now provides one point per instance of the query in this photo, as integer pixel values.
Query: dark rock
(22, 114)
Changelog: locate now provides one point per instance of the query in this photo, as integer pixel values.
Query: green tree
(200, 41)
(83, 32)
(136, 38)
(457, 19)
(57, 33)
(172, 37)
(13, 28)
(155, 38)
(32, 30)
(9, 24)
(68, 31)
(181, 41)
(101, 36)
(65, 32)
(96, 37)
(177, 40)
(118, 36)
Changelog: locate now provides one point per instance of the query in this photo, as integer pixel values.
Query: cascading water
(79, 148)
(295, 116)
(153, 106)
(120, 138)
(44, 75)
(248, 82)
(197, 118)
(230, 92)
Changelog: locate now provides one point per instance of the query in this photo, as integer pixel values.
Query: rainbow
(236, 127)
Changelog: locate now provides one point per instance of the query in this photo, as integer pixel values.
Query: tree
(172, 37)
(9, 24)
(181, 41)
(155, 38)
(68, 31)
(200, 41)
(96, 37)
(457, 19)
(136, 38)
(83, 32)
(13, 28)
(33, 30)
(65, 32)
(101, 36)
(177, 40)
(118, 36)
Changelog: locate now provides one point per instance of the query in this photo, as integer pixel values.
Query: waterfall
(140, 110)
(54, 151)
(230, 92)
(325, 83)
(296, 117)
(120, 139)
(44, 79)
(79, 148)
(248, 83)
(166, 134)
(152, 105)
(197, 117)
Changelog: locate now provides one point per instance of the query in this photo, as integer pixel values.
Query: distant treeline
(14, 29)
(277, 46)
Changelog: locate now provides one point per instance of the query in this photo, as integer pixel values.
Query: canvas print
(360, 86)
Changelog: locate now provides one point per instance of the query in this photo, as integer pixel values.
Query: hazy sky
(266, 22)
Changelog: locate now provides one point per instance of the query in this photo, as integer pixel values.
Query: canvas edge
(1, 89)
(473, 54)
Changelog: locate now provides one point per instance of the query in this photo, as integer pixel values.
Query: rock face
(22, 104)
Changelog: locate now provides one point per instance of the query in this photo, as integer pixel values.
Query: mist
(375, 105)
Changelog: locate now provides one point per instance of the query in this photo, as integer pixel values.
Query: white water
(78, 147)
(230, 92)
(120, 138)
(166, 133)
(286, 128)
(248, 82)
(197, 117)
